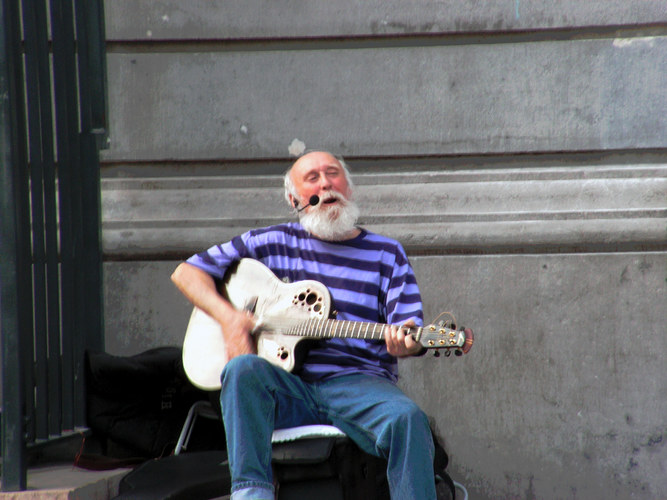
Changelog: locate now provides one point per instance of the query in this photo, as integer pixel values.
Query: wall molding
(527, 210)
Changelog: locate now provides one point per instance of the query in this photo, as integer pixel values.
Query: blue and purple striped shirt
(369, 278)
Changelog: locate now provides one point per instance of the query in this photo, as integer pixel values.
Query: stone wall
(517, 150)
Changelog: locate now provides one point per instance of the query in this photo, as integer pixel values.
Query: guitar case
(188, 476)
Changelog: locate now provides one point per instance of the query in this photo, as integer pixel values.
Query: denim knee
(240, 366)
(411, 413)
(413, 424)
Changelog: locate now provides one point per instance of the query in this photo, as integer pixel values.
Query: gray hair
(289, 185)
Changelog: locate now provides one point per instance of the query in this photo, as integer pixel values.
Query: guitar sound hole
(311, 298)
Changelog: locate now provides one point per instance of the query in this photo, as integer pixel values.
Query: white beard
(331, 222)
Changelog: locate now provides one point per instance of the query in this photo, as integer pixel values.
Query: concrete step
(67, 482)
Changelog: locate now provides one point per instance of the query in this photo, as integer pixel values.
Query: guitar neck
(332, 328)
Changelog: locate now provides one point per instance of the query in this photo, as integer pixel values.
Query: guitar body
(250, 285)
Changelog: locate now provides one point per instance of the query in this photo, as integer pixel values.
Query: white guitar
(287, 314)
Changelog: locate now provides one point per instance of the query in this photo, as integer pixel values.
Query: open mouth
(329, 201)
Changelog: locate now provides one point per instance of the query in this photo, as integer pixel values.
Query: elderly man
(348, 383)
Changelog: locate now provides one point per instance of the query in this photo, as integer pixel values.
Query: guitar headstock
(447, 337)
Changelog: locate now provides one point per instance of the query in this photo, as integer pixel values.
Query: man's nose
(325, 183)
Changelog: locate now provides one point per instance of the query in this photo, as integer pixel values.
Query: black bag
(337, 469)
(139, 403)
(328, 468)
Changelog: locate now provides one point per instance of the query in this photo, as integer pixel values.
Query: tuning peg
(436, 354)
(448, 354)
(458, 352)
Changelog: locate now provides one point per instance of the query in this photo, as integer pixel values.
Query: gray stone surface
(574, 95)
(564, 393)
(234, 19)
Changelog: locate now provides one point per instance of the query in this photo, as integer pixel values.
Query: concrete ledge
(477, 211)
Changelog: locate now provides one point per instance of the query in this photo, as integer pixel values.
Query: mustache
(330, 197)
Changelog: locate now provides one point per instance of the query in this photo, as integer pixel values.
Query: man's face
(321, 174)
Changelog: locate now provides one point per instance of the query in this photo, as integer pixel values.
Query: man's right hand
(237, 331)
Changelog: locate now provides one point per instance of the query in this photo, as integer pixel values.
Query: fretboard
(332, 328)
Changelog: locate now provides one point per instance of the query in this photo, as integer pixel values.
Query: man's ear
(294, 201)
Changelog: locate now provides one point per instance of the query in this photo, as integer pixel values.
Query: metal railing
(52, 124)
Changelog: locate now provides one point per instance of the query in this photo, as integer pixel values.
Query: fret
(418, 334)
(320, 328)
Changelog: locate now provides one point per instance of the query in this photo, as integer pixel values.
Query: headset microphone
(312, 201)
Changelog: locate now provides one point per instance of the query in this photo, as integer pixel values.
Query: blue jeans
(258, 397)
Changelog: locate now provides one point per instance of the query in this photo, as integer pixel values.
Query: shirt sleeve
(403, 301)
(217, 259)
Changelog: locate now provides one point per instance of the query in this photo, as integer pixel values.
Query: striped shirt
(369, 278)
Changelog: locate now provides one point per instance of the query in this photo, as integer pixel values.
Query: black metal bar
(15, 319)
(47, 342)
(53, 360)
(97, 70)
(67, 127)
(92, 333)
(34, 80)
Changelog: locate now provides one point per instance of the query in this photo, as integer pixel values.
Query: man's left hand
(399, 343)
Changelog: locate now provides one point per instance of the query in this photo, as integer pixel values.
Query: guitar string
(325, 328)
